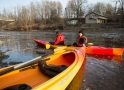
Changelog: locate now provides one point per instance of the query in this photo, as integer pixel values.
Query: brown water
(97, 72)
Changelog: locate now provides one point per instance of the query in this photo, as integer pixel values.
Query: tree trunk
(122, 16)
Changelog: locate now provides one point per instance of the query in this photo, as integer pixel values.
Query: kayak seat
(50, 70)
(18, 87)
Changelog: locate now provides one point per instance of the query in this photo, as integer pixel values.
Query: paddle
(62, 48)
(59, 50)
(90, 44)
(48, 46)
(30, 62)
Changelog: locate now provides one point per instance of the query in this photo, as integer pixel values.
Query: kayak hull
(96, 50)
(104, 51)
(90, 49)
(41, 42)
(37, 80)
(115, 58)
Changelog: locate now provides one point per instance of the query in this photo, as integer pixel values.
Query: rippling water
(97, 73)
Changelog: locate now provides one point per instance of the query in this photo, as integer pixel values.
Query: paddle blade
(7, 70)
(90, 44)
(47, 46)
(59, 51)
(59, 48)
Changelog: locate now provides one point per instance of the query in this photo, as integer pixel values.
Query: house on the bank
(95, 18)
(89, 18)
(4, 22)
(75, 21)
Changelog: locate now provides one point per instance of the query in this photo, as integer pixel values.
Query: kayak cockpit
(51, 69)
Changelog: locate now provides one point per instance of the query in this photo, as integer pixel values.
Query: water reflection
(112, 39)
(101, 72)
(119, 59)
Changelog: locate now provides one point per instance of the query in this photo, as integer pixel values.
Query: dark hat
(57, 32)
(81, 32)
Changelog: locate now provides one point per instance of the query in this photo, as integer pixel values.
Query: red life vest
(59, 39)
(79, 42)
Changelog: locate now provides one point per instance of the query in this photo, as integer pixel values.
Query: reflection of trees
(71, 37)
(112, 41)
(106, 39)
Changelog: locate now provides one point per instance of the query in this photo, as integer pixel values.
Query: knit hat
(81, 32)
(57, 32)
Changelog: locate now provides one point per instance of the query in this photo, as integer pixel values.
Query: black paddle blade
(7, 70)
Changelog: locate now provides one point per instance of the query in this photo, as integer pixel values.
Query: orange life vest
(80, 43)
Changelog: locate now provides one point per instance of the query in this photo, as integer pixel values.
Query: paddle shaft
(48, 46)
(35, 60)
(30, 62)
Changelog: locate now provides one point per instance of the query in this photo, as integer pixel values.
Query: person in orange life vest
(82, 40)
(59, 39)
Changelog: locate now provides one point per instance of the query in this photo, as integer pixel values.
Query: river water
(97, 72)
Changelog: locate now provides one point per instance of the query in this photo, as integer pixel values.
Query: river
(97, 72)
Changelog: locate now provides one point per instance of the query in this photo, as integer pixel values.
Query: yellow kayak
(51, 73)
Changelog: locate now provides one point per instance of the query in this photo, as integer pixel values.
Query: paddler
(59, 39)
(82, 40)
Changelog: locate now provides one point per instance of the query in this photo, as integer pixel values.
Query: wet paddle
(30, 62)
(48, 46)
(90, 44)
(62, 48)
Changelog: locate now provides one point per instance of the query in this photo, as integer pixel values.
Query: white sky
(14, 3)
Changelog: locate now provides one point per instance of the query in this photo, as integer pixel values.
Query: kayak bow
(57, 72)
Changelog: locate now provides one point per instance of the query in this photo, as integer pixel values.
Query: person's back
(59, 39)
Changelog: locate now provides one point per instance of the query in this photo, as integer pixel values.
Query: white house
(95, 18)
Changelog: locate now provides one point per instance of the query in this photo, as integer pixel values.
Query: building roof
(96, 14)
(102, 17)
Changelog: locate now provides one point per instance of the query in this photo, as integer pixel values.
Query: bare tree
(100, 8)
(90, 8)
(75, 8)
(109, 9)
(121, 4)
(32, 15)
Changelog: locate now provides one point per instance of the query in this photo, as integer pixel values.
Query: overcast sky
(13, 3)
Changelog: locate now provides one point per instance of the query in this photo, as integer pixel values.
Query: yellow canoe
(55, 73)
